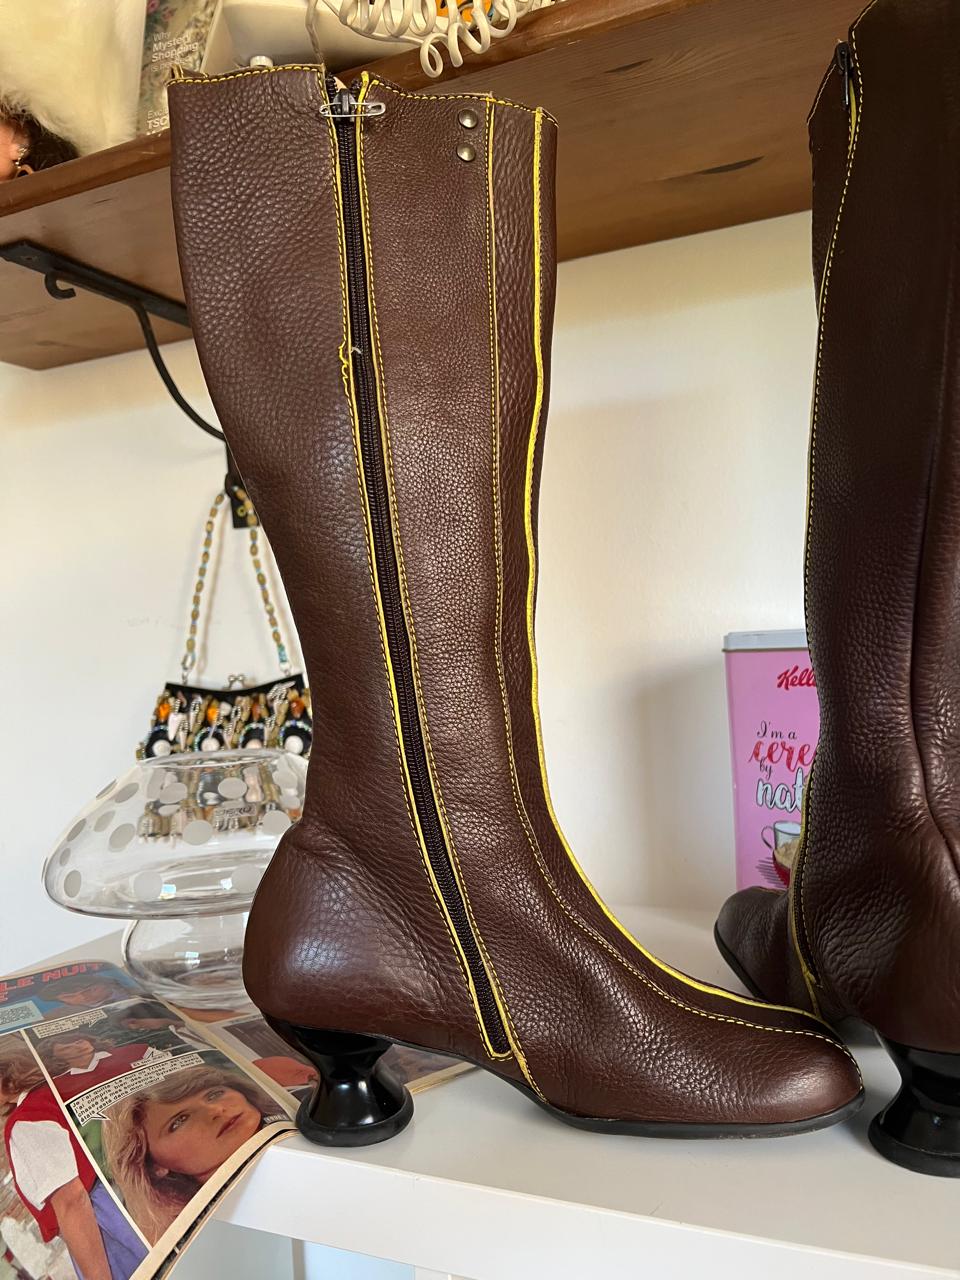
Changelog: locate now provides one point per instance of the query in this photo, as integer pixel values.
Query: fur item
(74, 65)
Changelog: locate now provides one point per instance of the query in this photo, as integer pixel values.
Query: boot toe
(810, 1083)
(786, 1069)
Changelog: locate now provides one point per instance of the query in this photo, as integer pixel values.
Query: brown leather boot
(371, 282)
(871, 925)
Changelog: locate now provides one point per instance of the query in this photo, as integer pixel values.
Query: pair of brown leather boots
(371, 276)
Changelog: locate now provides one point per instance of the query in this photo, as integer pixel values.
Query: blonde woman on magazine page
(165, 1141)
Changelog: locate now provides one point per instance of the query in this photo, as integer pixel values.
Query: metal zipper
(344, 111)
(845, 67)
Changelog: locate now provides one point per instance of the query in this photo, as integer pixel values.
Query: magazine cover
(125, 1119)
(176, 33)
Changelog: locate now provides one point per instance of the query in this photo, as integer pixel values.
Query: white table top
(485, 1185)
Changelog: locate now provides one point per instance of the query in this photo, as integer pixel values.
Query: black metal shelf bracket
(62, 277)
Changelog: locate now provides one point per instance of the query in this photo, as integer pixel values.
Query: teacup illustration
(783, 842)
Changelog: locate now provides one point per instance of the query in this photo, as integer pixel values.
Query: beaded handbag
(189, 717)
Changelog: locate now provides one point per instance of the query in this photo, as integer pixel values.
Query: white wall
(672, 511)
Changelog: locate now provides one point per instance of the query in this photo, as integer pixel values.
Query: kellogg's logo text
(797, 678)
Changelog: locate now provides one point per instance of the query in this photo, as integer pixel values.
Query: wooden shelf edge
(566, 23)
(569, 22)
(99, 169)
(666, 129)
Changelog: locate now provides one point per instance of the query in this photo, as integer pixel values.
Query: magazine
(125, 1119)
(176, 33)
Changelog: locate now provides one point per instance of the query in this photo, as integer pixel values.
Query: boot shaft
(449, 191)
(877, 898)
(344, 291)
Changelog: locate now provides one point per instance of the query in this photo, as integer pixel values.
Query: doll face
(11, 140)
(74, 1053)
(195, 1136)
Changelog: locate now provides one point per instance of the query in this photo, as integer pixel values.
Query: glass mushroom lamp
(178, 845)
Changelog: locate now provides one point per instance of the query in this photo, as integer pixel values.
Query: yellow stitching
(514, 781)
(378, 606)
(368, 537)
(442, 814)
(796, 885)
(501, 1005)
(531, 552)
(347, 374)
(438, 798)
(370, 81)
(345, 369)
(414, 823)
(250, 71)
(491, 266)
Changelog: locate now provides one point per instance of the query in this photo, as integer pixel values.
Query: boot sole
(695, 1132)
(358, 1101)
(919, 1129)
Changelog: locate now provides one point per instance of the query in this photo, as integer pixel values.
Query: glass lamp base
(193, 962)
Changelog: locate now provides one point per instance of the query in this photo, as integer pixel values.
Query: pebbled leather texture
(346, 890)
(877, 894)
(345, 932)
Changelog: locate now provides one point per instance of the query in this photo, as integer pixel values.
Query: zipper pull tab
(845, 67)
(343, 105)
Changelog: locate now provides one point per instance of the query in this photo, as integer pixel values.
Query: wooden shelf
(676, 116)
(110, 210)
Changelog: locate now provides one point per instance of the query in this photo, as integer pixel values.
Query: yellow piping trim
(248, 71)
(488, 98)
(531, 639)
(491, 264)
(796, 883)
(411, 807)
(518, 801)
(347, 368)
(499, 999)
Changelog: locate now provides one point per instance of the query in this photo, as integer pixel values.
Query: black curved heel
(357, 1101)
(920, 1128)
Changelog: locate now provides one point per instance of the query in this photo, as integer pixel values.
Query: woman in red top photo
(79, 1060)
(54, 1177)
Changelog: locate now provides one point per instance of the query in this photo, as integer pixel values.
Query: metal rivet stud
(468, 118)
(466, 152)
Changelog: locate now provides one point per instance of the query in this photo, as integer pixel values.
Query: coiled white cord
(417, 22)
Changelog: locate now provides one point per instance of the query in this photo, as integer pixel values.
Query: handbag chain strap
(189, 659)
